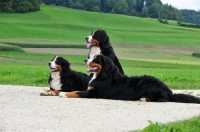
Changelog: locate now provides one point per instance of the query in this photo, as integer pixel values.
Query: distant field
(56, 23)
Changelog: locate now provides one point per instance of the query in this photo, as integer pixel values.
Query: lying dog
(99, 43)
(62, 78)
(108, 83)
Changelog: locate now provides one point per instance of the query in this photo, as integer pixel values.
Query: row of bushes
(18, 47)
(5, 47)
(188, 25)
(163, 21)
(196, 54)
(29, 45)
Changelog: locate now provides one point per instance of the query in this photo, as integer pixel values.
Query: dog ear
(105, 39)
(65, 64)
(106, 62)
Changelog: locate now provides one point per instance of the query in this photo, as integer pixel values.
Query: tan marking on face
(59, 68)
(95, 41)
(92, 64)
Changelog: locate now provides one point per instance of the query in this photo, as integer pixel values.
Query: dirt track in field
(119, 50)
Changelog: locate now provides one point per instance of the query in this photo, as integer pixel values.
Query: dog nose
(85, 61)
(49, 64)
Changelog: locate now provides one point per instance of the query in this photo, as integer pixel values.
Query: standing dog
(99, 43)
(62, 78)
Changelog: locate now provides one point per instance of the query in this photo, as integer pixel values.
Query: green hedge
(4, 47)
(163, 21)
(29, 45)
(189, 25)
(196, 54)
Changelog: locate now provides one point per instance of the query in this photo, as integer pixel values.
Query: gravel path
(23, 110)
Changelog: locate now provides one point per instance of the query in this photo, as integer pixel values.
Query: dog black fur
(109, 83)
(100, 39)
(63, 79)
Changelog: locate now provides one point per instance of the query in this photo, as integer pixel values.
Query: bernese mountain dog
(108, 83)
(99, 43)
(62, 78)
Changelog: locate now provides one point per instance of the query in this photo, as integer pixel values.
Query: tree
(144, 12)
(19, 6)
(90, 4)
(70, 3)
(154, 10)
(169, 12)
(139, 5)
(106, 5)
(131, 4)
(96, 9)
(120, 7)
(6, 6)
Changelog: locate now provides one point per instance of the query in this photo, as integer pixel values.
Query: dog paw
(49, 93)
(63, 94)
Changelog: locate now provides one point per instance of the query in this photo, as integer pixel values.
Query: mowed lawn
(56, 23)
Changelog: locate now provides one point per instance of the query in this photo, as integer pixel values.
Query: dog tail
(185, 98)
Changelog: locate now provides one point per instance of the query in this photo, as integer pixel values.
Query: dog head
(58, 64)
(99, 64)
(98, 38)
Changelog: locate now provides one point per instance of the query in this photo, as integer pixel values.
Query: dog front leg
(76, 94)
(50, 93)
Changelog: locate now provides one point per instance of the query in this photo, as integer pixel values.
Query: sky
(184, 4)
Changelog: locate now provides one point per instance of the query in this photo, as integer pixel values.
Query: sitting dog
(108, 83)
(62, 78)
(99, 43)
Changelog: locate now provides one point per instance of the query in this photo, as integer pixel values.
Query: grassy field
(56, 23)
(33, 68)
(56, 27)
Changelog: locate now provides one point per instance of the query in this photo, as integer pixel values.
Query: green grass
(23, 74)
(56, 23)
(176, 76)
(190, 125)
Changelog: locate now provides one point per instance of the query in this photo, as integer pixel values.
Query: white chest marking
(93, 77)
(94, 51)
(55, 82)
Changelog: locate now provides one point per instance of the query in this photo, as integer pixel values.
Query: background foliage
(142, 8)
(19, 6)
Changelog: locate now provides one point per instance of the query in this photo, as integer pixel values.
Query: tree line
(19, 6)
(190, 16)
(140, 8)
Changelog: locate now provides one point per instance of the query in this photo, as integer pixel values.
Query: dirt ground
(119, 50)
